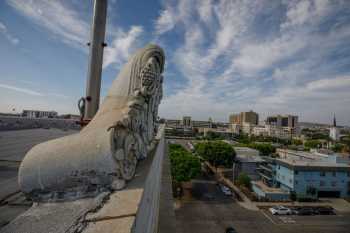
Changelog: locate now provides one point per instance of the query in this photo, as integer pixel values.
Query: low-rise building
(260, 131)
(235, 128)
(39, 114)
(247, 160)
(247, 128)
(313, 178)
(187, 122)
(309, 174)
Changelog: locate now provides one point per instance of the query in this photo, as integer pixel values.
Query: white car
(280, 210)
(226, 190)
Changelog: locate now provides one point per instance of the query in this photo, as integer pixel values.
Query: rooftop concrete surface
(133, 209)
(13, 146)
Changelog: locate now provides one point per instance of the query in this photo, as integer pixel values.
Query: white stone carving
(104, 154)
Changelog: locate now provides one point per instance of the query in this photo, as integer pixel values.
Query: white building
(334, 132)
(260, 131)
(39, 114)
(247, 128)
(273, 131)
(235, 128)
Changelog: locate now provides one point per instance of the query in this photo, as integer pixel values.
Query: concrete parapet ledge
(133, 209)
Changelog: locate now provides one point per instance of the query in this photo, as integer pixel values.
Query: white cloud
(256, 57)
(166, 21)
(68, 25)
(231, 63)
(198, 59)
(32, 92)
(122, 46)
(330, 84)
(21, 90)
(57, 17)
(306, 11)
(3, 30)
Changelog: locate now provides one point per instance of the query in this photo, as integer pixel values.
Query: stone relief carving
(104, 155)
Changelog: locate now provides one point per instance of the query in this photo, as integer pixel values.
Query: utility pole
(97, 45)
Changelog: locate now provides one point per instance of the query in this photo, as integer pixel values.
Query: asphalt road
(212, 215)
(13, 147)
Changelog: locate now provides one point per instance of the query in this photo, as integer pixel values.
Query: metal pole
(97, 44)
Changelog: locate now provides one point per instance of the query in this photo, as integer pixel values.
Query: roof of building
(312, 165)
(243, 148)
(248, 158)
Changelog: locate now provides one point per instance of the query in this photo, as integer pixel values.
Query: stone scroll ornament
(104, 154)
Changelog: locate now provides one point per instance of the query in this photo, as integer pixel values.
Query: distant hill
(311, 125)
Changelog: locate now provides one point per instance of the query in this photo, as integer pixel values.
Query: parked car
(280, 210)
(304, 211)
(225, 190)
(324, 211)
(230, 230)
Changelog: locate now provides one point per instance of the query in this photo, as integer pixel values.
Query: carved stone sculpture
(104, 154)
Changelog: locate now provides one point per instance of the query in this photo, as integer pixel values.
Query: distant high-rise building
(282, 126)
(235, 119)
(250, 117)
(283, 121)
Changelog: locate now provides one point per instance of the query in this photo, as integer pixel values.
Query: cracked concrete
(55, 217)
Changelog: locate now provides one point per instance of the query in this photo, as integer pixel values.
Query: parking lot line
(268, 217)
(286, 219)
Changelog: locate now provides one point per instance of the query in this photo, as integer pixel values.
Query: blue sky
(221, 56)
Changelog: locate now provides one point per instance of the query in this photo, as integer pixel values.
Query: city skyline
(222, 56)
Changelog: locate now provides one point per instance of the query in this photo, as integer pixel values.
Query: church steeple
(334, 121)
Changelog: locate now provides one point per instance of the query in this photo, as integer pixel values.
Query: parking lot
(309, 220)
(210, 211)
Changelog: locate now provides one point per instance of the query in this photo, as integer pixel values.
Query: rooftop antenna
(88, 106)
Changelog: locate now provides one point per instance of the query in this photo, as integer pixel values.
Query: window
(322, 174)
(322, 183)
(334, 174)
(296, 182)
(334, 183)
(348, 174)
(296, 172)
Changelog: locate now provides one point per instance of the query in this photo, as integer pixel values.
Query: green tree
(313, 144)
(218, 153)
(244, 180)
(176, 148)
(214, 136)
(297, 142)
(265, 149)
(338, 147)
(184, 165)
